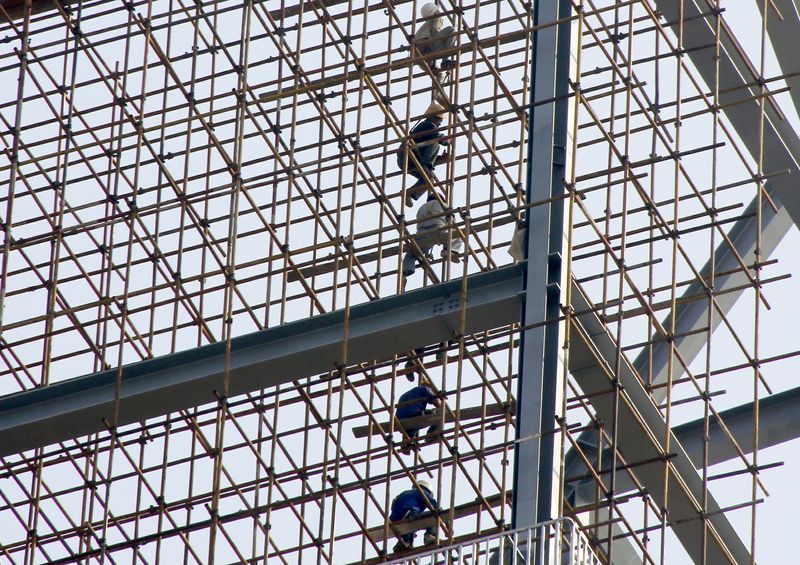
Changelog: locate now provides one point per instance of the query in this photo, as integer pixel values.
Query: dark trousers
(415, 432)
(426, 155)
(408, 538)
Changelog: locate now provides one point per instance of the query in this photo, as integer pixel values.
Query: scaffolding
(204, 200)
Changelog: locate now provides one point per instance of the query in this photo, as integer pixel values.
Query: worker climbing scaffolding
(426, 143)
(433, 228)
(410, 505)
(413, 403)
(433, 37)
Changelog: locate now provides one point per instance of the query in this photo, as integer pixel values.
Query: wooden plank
(375, 70)
(431, 419)
(329, 264)
(308, 8)
(427, 520)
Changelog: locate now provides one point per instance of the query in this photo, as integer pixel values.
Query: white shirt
(430, 28)
(431, 216)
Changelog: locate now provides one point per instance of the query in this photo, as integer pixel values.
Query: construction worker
(432, 230)
(409, 505)
(413, 403)
(432, 37)
(427, 144)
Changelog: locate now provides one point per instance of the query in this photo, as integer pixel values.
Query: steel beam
(641, 436)
(781, 154)
(778, 422)
(535, 496)
(375, 330)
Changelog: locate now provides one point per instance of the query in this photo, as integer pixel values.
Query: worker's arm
(433, 398)
(424, 32)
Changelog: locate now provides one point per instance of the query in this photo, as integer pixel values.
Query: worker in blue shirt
(427, 144)
(414, 403)
(409, 505)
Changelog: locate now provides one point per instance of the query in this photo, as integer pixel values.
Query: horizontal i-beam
(374, 331)
(778, 422)
(377, 330)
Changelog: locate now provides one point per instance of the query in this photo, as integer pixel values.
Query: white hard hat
(424, 484)
(429, 9)
(435, 109)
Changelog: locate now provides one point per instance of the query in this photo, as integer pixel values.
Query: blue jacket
(412, 500)
(413, 402)
(426, 130)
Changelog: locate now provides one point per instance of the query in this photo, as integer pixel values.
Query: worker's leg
(452, 246)
(425, 244)
(431, 535)
(416, 190)
(428, 155)
(409, 263)
(409, 437)
(437, 427)
(444, 39)
(410, 363)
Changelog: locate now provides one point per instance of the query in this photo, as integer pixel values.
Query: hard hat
(435, 110)
(429, 9)
(424, 484)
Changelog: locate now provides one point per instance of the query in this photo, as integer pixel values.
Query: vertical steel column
(535, 495)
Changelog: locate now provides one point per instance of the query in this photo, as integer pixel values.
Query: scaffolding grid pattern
(181, 173)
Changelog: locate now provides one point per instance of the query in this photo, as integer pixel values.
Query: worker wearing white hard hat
(408, 506)
(432, 37)
(426, 143)
(434, 227)
(429, 9)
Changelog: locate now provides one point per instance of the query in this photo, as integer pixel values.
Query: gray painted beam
(778, 422)
(536, 497)
(377, 330)
(782, 31)
(641, 437)
(781, 154)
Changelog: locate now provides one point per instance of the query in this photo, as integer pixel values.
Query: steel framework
(204, 326)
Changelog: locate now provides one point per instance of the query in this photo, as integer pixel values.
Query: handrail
(555, 542)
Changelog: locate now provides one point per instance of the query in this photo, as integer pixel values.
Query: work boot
(430, 539)
(410, 368)
(400, 546)
(454, 256)
(406, 448)
(448, 65)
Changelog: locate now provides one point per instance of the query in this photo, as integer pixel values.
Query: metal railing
(556, 542)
